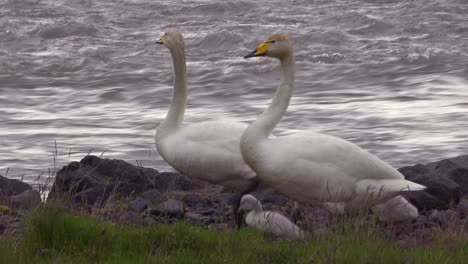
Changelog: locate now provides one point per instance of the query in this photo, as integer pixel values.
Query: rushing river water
(79, 76)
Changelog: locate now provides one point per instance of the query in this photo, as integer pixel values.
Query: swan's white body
(207, 150)
(270, 222)
(311, 166)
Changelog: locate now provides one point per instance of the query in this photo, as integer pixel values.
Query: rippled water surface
(79, 76)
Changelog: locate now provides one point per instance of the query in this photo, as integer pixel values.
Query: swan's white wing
(333, 152)
(311, 165)
(209, 151)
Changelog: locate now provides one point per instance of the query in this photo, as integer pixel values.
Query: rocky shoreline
(117, 191)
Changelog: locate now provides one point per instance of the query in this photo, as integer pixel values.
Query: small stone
(207, 211)
(433, 214)
(195, 200)
(195, 218)
(170, 207)
(450, 214)
(153, 196)
(138, 205)
(442, 217)
(274, 198)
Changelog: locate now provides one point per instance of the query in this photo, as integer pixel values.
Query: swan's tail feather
(395, 209)
(387, 188)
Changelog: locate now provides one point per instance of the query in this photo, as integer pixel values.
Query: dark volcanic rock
(91, 196)
(9, 187)
(93, 179)
(138, 205)
(17, 194)
(446, 182)
(153, 196)
(270, 195)
(195, 218)
(196, 200)
(171, 208)
(460, 176)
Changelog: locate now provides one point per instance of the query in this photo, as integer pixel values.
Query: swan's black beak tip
(159, 42)
(250, 55)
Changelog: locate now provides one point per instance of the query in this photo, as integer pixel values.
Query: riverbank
(96, 197)
(55, 236)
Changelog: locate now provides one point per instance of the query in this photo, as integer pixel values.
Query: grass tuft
(55, 236)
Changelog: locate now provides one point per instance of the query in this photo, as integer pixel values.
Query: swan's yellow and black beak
(161, 40)
(261, 50)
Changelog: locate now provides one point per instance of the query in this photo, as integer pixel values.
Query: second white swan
(206, 150)
(311, 166)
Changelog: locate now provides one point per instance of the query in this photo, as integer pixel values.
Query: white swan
(311, 166)
(393, 210)
(270, 222)
(207, 150)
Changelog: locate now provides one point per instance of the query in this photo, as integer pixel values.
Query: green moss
(54, 236)
(4, 209)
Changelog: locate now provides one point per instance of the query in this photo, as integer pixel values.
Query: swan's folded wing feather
(209, 151)
(332, 151)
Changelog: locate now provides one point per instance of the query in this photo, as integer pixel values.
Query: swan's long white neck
(261, 128)
(175, 116)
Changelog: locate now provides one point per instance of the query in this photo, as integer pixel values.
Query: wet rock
(207, 211)
(10, 187)
(442, 217)
(446, 182)
(269, 195)
(153, 196)
(424, 201)
(195, 218)
(138, 205)
(26, 200)
(81, 180)
(168, 181)
(171, 208)
(276, 199)
(90, 197)
(17, 194)
(196, 200)
(460, 176)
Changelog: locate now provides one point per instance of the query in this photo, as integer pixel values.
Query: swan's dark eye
(272, 41)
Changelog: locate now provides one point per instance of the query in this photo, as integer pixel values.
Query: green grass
(54, 236)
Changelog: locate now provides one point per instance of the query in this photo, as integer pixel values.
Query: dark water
(86, 76)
